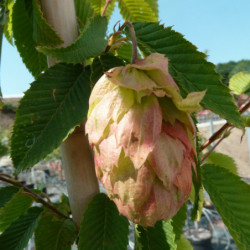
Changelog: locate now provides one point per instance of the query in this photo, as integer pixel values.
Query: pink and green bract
(144, 139)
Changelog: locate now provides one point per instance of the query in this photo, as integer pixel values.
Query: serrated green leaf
(154, 6)
(102, 64)
(90, 43)
(178, 221)
(197, 196)
(23, 34)
(159, 237)
(84, 11)
(14, 208)
(240, 83)
(231, 197)
(8, 32)
(2, 13)
(138, 11)
(223, 161)
(189, 68)
(53, 105)
(6, 194)
(98, 6)
(125, 51)
(17, 235)
(102, 227)
(43, 33)
(184, 244)
(54, 234)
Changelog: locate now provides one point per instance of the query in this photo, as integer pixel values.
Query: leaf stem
(216, 135)
(20, 185)
(10, 180)
(105, 7)
(133, 39)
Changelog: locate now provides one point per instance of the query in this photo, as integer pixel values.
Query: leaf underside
(8, 31)
(98, 6)
(154, 6)
(138, 11)
(54, 104)
(35, 61)
(126, 51)
(240, 83)
(43, 33)
(84, 11)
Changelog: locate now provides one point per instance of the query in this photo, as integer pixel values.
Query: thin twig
(20, 185)
(213, 148)
(7, 176)
(105, 7)
(216, 135)
(33, 195)
(133, 39)
(245, 106)
(46, 196)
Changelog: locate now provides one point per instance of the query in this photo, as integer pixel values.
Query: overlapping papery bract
(144, 139)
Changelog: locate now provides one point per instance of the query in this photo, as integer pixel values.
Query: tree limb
(244, 107)
(34, 196)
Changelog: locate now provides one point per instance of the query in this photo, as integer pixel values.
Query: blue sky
(222, 27)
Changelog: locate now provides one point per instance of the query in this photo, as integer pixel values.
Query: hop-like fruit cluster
(144, 139)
